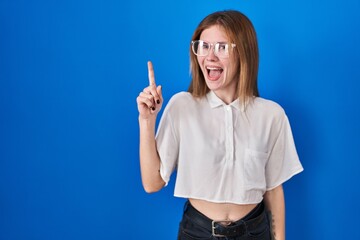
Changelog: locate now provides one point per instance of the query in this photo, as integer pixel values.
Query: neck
(226, 96)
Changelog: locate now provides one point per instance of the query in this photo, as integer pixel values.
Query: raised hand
(150, 100)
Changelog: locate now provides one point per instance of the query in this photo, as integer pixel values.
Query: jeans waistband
(238, 228)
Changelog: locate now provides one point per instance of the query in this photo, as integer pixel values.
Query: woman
(231, 148)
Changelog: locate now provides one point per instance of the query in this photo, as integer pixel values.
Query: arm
(149, 158)
(275, 204)
(149, 104)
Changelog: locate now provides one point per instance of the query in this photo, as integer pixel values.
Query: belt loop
(186, 206)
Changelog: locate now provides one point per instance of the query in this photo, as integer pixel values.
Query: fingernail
(153, 108)
(158, 101)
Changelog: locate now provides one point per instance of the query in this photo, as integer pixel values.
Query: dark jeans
(196, 226)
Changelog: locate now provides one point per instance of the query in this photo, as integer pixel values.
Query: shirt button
(227, 108)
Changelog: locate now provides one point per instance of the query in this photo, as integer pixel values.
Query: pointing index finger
(151, 73)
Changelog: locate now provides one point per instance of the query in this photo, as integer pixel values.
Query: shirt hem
(218, 201)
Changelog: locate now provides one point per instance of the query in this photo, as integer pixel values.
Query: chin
(214, 85)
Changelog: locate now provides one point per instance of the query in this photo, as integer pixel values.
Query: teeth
(213, 68)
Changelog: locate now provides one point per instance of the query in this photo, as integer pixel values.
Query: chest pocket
(254, 169)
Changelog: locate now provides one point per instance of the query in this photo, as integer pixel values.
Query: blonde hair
(240, 31)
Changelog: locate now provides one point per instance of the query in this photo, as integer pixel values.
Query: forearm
(275, 204)
(149, 158)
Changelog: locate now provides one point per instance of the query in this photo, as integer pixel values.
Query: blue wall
(70, 72)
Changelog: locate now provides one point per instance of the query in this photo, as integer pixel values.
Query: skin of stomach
(222, 211)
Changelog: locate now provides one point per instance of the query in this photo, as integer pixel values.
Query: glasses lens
(200, 48)
(222, 50)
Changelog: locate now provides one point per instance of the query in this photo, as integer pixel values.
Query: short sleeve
(283, 162)
(167, 145)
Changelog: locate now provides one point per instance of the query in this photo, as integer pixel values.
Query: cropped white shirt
(223, 153)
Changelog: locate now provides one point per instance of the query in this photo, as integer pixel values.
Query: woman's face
(220, 73)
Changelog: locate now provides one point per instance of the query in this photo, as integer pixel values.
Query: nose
(211, 56)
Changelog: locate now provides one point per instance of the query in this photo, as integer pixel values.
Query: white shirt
(224, 153)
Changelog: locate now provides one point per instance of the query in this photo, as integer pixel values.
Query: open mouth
(214, 73)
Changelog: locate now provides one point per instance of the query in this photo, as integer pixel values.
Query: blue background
(70, 72)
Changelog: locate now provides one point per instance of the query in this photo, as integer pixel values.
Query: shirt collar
(215, 101)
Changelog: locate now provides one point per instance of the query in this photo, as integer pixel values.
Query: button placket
(229, 134)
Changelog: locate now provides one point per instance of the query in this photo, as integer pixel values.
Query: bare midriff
(222, 211)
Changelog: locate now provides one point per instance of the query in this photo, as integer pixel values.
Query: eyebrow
(213, 42)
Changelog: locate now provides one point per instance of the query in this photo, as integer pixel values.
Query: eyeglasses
(201, 48)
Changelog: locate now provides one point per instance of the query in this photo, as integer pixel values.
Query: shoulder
(179, 106)
(180, 100)
(267, 108)
(181, 96)
(266, 104)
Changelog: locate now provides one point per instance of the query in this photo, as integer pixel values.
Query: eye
(205, 45)
(223, 47)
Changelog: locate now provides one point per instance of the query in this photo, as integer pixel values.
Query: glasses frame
(212, 46)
